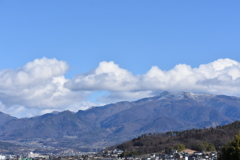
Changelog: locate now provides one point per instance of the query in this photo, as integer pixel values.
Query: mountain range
(119, 122)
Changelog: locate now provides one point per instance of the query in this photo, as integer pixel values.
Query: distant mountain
(118, 122)
(5, 117)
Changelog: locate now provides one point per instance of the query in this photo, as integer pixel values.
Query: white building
(2, 157)
(33, 155)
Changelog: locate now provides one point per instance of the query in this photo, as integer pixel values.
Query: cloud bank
(36, 87)
(219, 77)
(41, 87)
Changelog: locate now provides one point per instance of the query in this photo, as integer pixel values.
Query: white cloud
(19, 111)
(219, 77)
(40, 86)
(38, 72)
(37, 85)
(107, 76)
(83, 105)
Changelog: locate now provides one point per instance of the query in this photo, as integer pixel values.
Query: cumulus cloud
(107, 76)
(219, 77)
(19, 111)
(38, 85)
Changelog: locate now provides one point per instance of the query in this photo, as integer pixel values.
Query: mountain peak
(164, 93)
(55, 112)
(172, 95)
(181, 95)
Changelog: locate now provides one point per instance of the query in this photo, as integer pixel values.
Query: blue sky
(95, 39)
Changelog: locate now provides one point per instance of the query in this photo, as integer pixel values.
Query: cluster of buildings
(183, 156)
(30, 156)
(173, 155)
(116, 155)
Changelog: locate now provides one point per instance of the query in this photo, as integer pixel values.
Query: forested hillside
(207, 139)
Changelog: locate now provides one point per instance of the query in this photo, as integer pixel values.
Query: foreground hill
(207, 139)
(118, 122)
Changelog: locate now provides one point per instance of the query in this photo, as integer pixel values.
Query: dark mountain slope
(185, 111)
(115, 123)
(5, 118)
(162, 124)
(227, 105)
(54, 126)
(96, 115)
